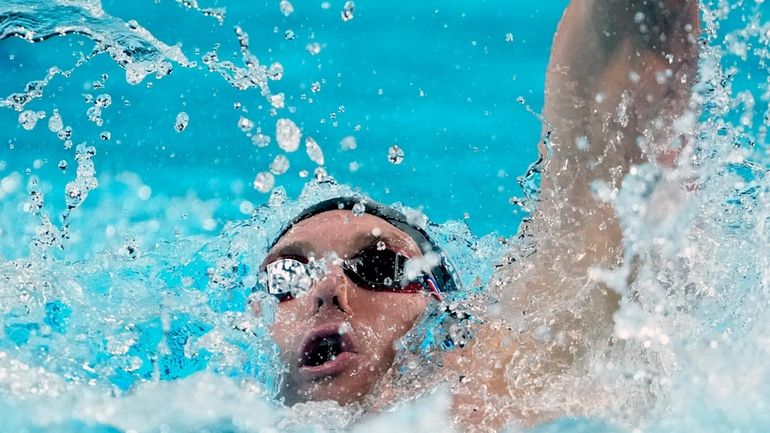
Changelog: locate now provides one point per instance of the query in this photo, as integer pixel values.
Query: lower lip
(337, 365)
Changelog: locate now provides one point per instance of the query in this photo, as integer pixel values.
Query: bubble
(289, 35)
(280, 165)
(347, 11)
(381, 246)
(353, 166)
(509, 37)
(55, 123)
(286, 7)
(287, 135)
(264, 181)
(260, 140)
(314, 151)
(105, 135)
(62, 165)
(29, 118)
(245, 124)
(304, 173)
(348, 143)
(182, 120)
(395, 155)
(315, 87)
(314, 48)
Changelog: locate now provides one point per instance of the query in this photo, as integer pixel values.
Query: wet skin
(366, 322)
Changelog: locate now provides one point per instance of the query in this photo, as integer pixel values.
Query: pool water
(152, 153)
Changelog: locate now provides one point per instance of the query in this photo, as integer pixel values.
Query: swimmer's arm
(620, 73)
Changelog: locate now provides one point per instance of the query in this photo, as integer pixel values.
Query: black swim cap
(444, 273)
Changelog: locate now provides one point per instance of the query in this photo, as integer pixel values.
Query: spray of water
(156, 316)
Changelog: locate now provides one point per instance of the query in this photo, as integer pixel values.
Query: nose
(331, 291)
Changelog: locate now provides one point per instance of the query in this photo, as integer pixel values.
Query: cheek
(396, 313)
(287, 326)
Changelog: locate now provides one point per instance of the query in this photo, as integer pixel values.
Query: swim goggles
(373, 268)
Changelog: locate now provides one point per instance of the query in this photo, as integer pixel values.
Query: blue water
(128, 313)
(439, 80)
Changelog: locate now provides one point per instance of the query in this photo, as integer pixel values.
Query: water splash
(132, 46)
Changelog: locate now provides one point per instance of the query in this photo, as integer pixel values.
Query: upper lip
(324, 331)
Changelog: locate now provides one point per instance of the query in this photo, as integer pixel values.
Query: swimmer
(620, 75)
(337, 326)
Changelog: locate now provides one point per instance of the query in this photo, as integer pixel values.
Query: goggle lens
(372, 269)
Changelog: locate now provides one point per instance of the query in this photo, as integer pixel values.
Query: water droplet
(358, 209)
(245, 124)
(287, 135)
(74, 194)
(277, 197)
(581, 142)
(29, 118)
(286, 7)
(264, 181)
(315, 87)
(275, 72)
(381, 246)
(279, 165)
(347, 11)
(314, 48)
(65, 133)
(182, 120)
(277, 101)
(314, 151)
(348, 143)
(395, 155)
(260, 140)
(55, 123)
(95, 115)
(103, 101)
(320, 174)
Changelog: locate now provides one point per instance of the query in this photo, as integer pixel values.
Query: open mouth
(323, 350)
(326, 352)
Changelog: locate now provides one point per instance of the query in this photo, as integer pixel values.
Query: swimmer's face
(338, 338)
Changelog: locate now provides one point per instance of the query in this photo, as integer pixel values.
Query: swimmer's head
(346, 293)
